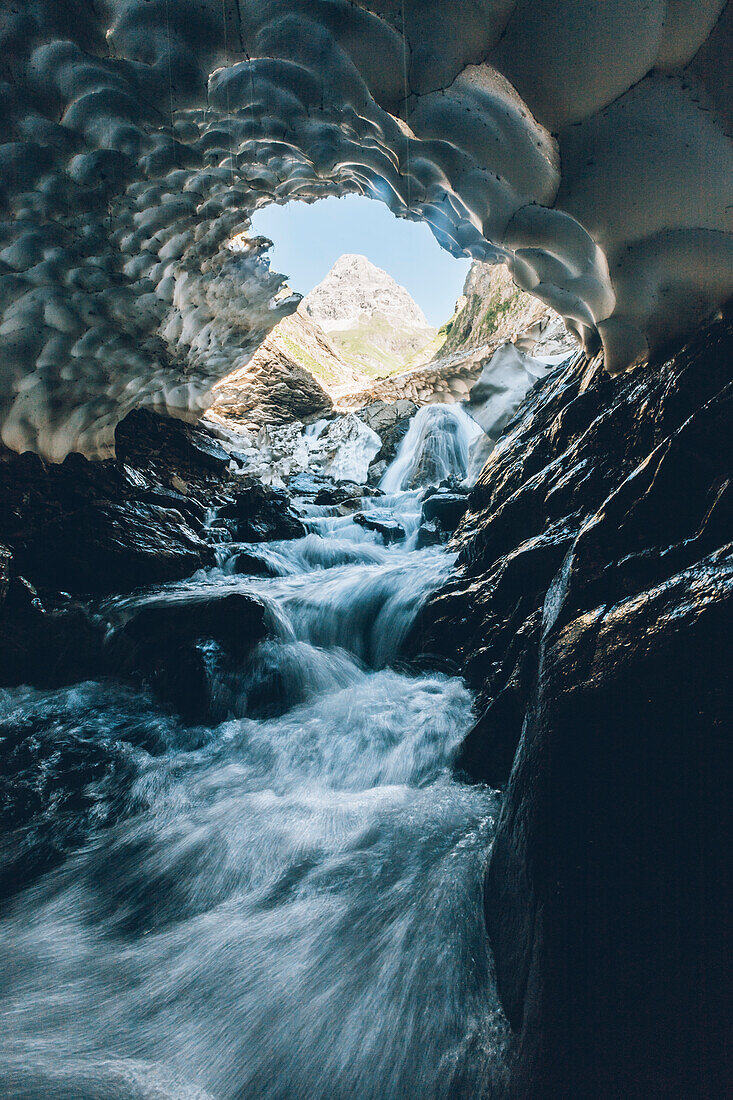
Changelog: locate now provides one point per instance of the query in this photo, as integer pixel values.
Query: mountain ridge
(372, 321)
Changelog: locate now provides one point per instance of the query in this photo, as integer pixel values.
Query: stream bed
(284, 904)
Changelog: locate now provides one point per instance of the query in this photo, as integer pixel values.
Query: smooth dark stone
(252, 565)
(445, 509)
(339, 494)
(166, 643)
(390, 530)
(429, 534)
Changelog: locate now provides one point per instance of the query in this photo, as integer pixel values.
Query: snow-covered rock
(341, 449)
(502, 385)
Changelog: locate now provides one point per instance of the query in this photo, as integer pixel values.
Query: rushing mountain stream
(285, 903)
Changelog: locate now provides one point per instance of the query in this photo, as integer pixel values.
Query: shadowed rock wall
(592, 611)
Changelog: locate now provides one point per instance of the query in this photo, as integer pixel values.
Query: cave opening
(378, 293)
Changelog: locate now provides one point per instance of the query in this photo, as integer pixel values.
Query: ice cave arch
(585, 145)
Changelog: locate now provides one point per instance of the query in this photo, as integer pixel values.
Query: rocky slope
(592, 611)
(279, 383)
(494, 310)
(82, 530)
(370, 319)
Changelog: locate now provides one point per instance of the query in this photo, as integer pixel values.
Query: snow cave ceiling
(587, 145)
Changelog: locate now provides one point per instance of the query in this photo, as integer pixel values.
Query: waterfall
(435, 447)
(286, 902)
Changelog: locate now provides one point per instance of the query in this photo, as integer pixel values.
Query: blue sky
(308, 239)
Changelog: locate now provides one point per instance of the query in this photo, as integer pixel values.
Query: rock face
(390, 420)
(592, 608)
(492, 309)
(303, 339)
(372, 321)
(278, 384)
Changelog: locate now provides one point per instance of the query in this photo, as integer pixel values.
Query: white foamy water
(274, 907)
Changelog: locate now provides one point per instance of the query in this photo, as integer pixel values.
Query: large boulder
(260, 513)
(390, 420)
(273, 388)
(43, 646)
(103, 546)
(387, 527)
(446, 509)
(175, 645)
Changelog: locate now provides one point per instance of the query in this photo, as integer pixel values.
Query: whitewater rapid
(285, 904)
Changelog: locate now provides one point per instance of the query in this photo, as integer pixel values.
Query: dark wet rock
(429, 534)
(111, 547)
(606, 892)
(47, 648)
(447, 485)
(445, 509)
(253, 565)
(390, 530)
(592, 610)
(160, 444)
(55, 787)
(6, 560)
(339, 494)
(262, 514)
(43, 646)
(93, 528)
(174, 645)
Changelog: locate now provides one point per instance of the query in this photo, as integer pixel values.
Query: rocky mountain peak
(356, 290)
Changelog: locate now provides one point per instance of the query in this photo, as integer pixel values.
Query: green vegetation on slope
(377, 349)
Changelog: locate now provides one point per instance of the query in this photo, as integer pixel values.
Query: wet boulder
(175, 645)
(429, 534)
(261, 514)
(251, 565)
(166, 446)
(390, 530)
(94, 528)
(339, 494)
(445, 509)
(105, 547)
(45, 647)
